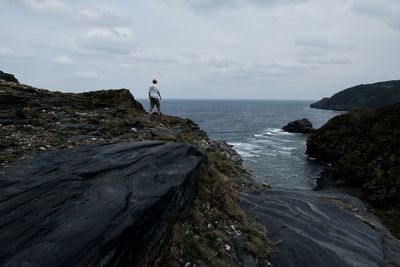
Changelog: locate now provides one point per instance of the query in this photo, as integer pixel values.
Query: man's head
(155, 81)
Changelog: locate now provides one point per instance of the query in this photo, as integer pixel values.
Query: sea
(253, 127)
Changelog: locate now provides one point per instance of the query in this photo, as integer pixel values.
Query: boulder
(8, 77)
(319, 229)
(96, 205)
(164, 134)
(299, 126)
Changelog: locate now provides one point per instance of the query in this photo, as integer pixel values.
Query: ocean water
(253, 127)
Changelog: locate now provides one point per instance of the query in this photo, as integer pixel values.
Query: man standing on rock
(155, 97)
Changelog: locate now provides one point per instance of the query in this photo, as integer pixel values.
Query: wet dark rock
(8, 77)
(299, 126)
(163, 134)
(314, 229)
(95, 205)
(373, 96)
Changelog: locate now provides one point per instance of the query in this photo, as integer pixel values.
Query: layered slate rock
(95, 205)
(372, 96)
(314, 229)
(299, 126)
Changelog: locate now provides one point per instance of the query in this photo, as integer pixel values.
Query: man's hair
(154, 81)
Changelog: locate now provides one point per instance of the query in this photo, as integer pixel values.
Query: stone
(319, 229)
(165, 134)
(299, 126)
(96, 205)
(8, 77)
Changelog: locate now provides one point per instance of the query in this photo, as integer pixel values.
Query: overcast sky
(235, 49)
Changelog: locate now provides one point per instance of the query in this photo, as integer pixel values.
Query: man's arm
(159, 94)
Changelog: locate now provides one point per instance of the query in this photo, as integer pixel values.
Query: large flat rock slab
(318, 229)
(95, 205)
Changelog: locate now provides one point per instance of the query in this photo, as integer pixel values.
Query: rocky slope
(363, 147)
(373, 96)
(74, 163)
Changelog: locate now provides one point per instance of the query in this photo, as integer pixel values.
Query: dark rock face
(8, 77)
(108, 205)
(371, 96)
(299, 126)
(314, 229)
(363, 147)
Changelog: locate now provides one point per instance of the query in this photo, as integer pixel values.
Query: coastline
(211, 218)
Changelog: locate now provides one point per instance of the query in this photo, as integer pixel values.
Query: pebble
(227, 247)
(42, 148)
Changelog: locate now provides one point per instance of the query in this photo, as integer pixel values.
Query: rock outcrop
(315, 229)
(372, 96)
(6, 77)
(97, 205)
(34, 119)
(363, 147)
(227, 150)
(299, 126)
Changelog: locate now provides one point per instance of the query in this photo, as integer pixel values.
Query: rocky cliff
(82, 183)
(363, 147)
(372, 96)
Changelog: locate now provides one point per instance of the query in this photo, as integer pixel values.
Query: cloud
(318, 51)
(390, 14)
(89, 74)
(220, 4)
(7, 54)
(325, 61)
(47, 6)
(115, 34)
(319, 43)
(64, 60)
(108, 40)
(92, 17)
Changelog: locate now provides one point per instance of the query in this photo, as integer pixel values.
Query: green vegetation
(373, 96)
(364, 147)
(215, 221)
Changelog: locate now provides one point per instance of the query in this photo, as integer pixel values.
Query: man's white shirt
(154, 90)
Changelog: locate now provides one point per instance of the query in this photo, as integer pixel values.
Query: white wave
(284, 152)
(247, 150)
(287, 148)
(275, 132)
